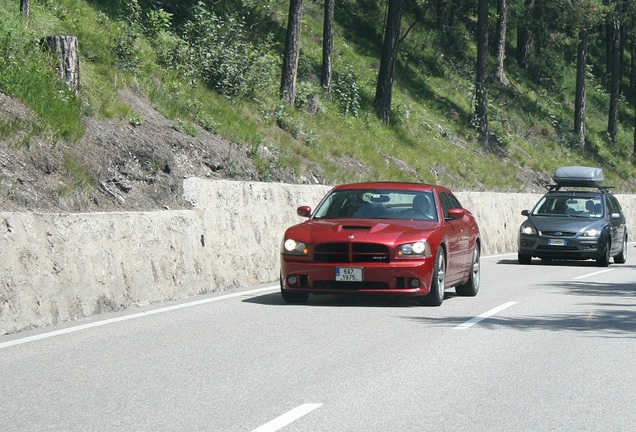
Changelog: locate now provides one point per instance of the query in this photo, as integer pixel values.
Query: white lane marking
(285, 419)
(471, 322)
(592, 274)
(133, 316)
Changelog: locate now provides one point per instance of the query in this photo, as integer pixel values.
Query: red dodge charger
(386, 238)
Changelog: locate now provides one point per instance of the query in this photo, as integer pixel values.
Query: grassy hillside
(431, 139)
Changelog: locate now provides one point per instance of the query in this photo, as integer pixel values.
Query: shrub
(226, 59)
(347, 92)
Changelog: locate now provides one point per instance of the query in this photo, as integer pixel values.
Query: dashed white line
(592, 274)
(471, 322)
(285, 419)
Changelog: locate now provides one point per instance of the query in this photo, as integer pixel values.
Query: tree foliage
(237, 48)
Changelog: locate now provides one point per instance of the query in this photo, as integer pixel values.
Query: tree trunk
(524, 36)
(633, 87)
(327, 47)
(442, 16)
(609, 40)
(621, 49)
(292, 52)
(481, 94)
(383, 91)
(632, 68)
(579, 102)
(611, 28)
(612, 123)
(25, 8)
(65, 48)
(502, 26)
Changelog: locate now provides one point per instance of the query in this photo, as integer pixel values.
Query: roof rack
(557, 187)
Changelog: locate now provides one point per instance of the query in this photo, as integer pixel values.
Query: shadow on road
(607, 323)
(344, 300)
(556, 263)
(610, 311)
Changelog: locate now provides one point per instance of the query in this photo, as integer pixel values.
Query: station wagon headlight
(294, 247)
(594, 232)
(416, 249)
(528, 230)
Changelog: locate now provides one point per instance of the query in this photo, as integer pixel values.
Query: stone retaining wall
(62, 267)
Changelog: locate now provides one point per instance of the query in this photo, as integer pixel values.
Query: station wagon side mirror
(525, 212)
(303, 211)
(456, 213)
(615, 216)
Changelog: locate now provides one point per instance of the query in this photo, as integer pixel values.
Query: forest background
(486, 95)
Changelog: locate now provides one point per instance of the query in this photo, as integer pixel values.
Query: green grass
(431, 137)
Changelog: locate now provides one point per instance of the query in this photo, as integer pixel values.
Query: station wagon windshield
(574, 206)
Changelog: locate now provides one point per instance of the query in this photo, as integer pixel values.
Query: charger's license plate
(556, 242)
(349, 274)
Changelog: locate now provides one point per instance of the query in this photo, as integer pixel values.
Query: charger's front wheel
(438, 285)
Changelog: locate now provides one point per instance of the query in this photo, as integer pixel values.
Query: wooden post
(65, 47)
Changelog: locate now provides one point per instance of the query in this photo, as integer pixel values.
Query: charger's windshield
(378, 204)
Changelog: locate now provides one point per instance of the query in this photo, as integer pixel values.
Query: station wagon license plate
(556, 242)
(349, 274)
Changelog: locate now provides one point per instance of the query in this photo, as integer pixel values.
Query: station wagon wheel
(621, 258)
(438, 285)
(471, 287)
(604, 260)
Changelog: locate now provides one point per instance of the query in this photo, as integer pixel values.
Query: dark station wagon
(577, 219)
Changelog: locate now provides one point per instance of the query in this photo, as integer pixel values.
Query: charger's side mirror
(303, 211)
(456, 213)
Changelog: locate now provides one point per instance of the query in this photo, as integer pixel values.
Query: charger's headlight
(294, 247)
(415, 249)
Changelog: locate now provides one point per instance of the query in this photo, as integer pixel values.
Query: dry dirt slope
(134, 167)
(141, 167)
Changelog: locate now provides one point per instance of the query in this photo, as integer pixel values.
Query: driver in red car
(422, 207)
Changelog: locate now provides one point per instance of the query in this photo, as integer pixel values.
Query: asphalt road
(545, 347)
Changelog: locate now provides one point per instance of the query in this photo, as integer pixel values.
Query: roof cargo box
(578, 176)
